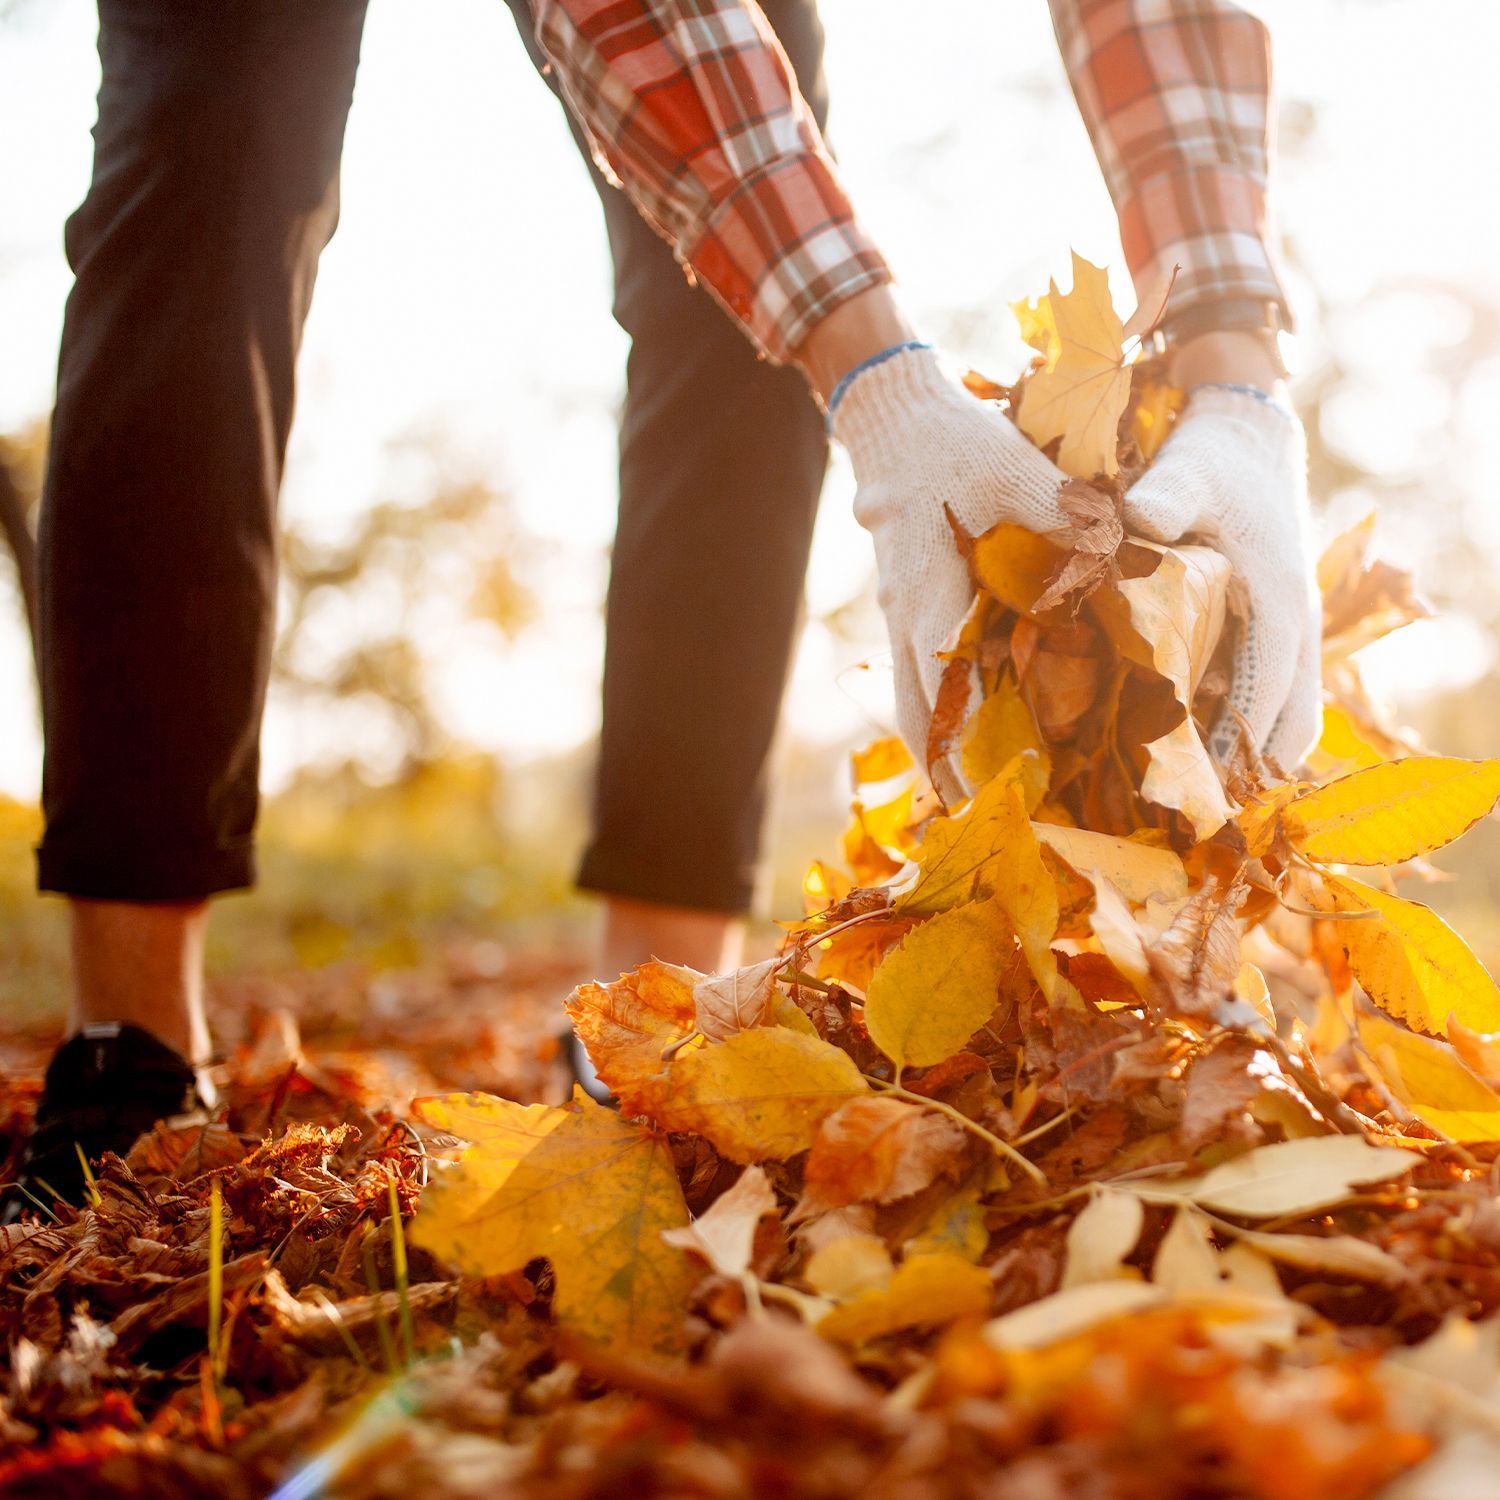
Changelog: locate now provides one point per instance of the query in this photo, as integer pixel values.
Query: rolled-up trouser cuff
(144, 872)
(627, 873)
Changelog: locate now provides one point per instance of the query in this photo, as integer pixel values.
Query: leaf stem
(1045, 1126)
(1000, 1147)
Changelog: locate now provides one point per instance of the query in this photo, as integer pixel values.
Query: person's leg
(215, 187)
(721, 463)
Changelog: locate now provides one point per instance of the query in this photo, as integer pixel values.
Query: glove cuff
(881, 396)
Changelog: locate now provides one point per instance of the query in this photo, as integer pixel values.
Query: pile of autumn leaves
(1111, 1064)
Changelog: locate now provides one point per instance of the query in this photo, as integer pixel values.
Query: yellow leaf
(1411, 963)
(1014, 564)
(939, 985)
(1001, 728)
(956, 1227)
(760, 1095)
(879, 1150)
(1119, 935)
(1432, 1081)
(1290, 1177)
(1181, 774)
(1178, 610)
(1393, 812)
(926, 1291)
(987, 850)
(1342, 1254)
(1070, 1312)
(1138, 871)
(1152, 419)
(887, 822)
(1081, 393)
(588, 1190)
(725, 1235)
(626, 1026)
(849, 1265)
(1186, 1263)
(1342, 747)
(1102, 1236)
(881, 760)
(1038, 327)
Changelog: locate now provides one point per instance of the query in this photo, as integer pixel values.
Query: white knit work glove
(1233, 475)
(919, 442)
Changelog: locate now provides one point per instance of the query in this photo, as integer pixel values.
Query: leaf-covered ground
(1107, 1129)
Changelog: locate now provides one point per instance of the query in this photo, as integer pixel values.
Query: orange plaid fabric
(1176, 95)
(691, 106)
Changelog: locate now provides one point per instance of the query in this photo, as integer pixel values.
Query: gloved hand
(919, 443)
(1233, 475)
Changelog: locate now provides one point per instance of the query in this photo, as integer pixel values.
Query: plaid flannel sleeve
(1176, 95)
(691, 106)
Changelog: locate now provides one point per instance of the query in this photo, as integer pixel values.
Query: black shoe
(581, 1070)
(104, 1087)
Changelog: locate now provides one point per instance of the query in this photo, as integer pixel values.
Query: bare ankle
(141, 963)
(635, 931)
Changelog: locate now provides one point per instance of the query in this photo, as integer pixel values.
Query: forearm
(692, 107)
(1178, 103)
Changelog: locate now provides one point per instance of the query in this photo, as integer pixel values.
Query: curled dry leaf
(727, 1003)
(725, 1235)
(1102, 1235)
(1291, 1177)
(628, 1026)
(879, 1150)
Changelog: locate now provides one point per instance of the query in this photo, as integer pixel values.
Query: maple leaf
(589, 1191)
(879, 1150)
(760, 1095)
(1082, 390)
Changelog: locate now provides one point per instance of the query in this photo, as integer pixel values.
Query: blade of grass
(382, 1323)
(215, 1274)
(398, 1262)
(88, 1176)
(26, 1192)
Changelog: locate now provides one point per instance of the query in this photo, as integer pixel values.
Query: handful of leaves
(1114, 1061)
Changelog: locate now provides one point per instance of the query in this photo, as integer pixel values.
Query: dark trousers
(215, 188)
